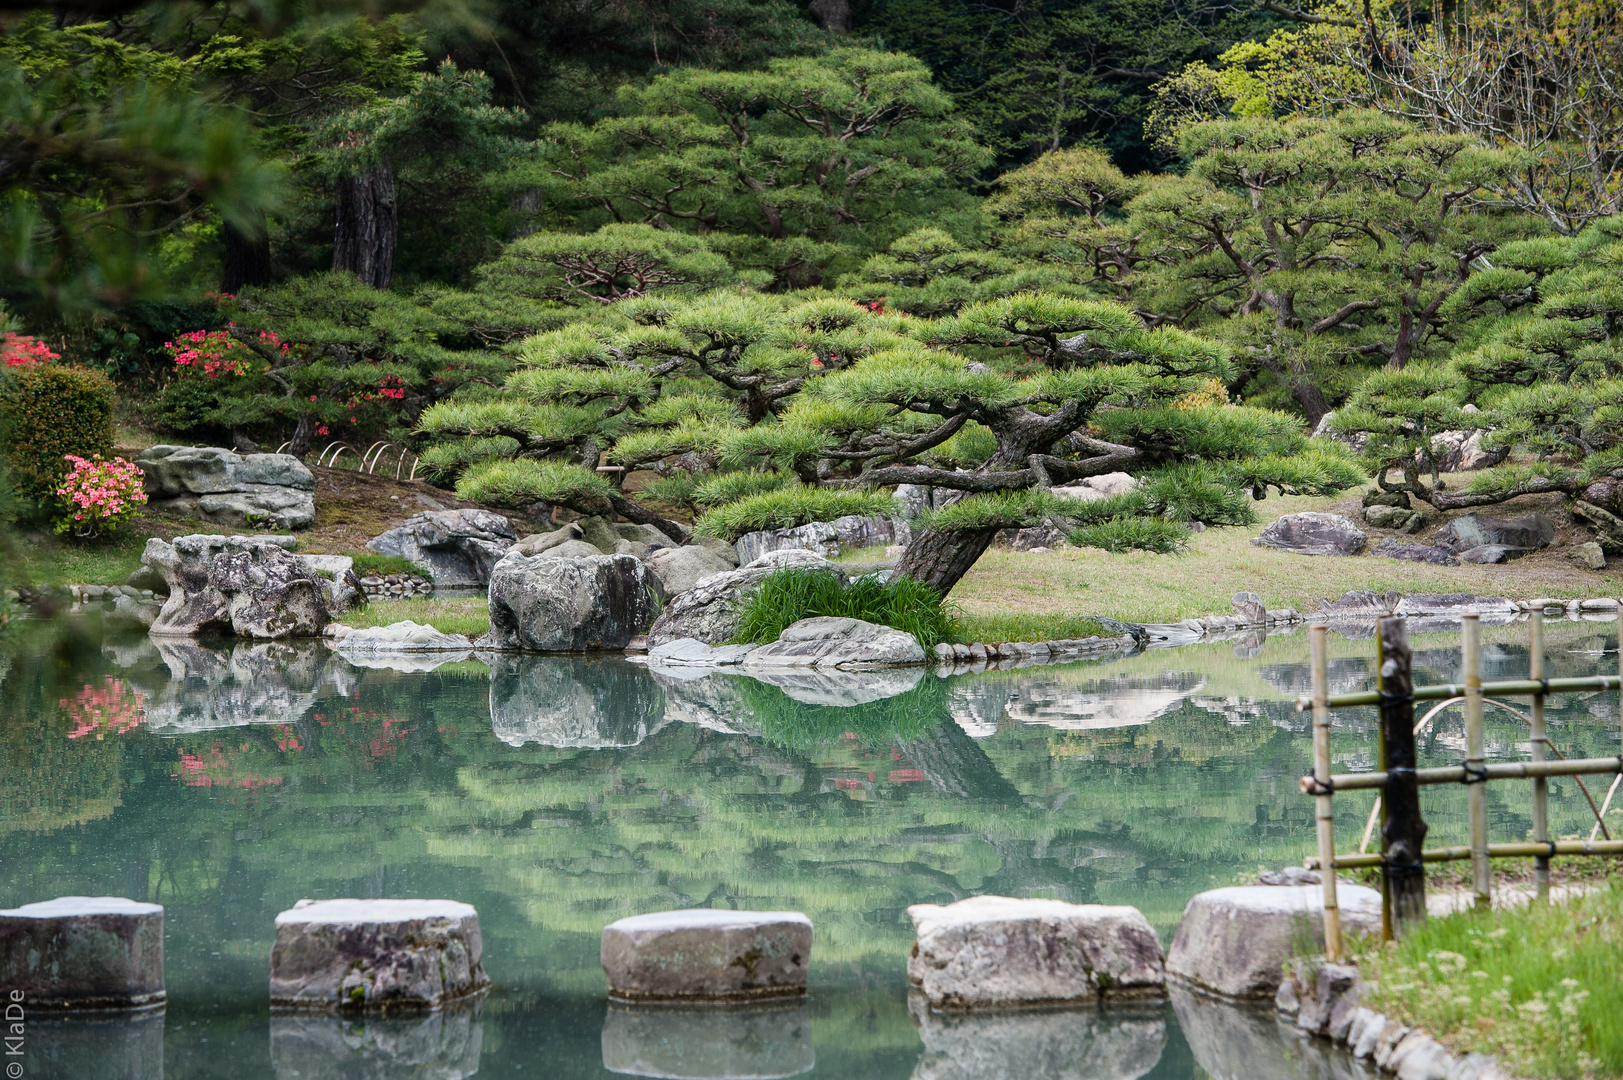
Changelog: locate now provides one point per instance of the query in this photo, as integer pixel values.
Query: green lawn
(462, 615)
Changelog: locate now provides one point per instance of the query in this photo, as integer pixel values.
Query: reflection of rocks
(567, 701)
(754, 1041)
(706, 700)
(832, 686)
(1238, 1042)
(977, 705)
(1051, 1044)
(1102, 704)
(265, 683)
(104, 1047)
(442, 1045)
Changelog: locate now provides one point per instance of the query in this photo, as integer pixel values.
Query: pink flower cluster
(216, 352)
(20, 350)
(98, 496)
(96, 710)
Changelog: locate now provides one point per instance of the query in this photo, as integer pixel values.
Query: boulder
(540, 543)
(1313, 533)
(1377, 497)
(457, 548)
(681, 568)
(826, 538)
(709, 612)
(1487, 554)
(1326, 429)
(244, 585)
(689, 652)
(93, 1045)
(241, 490)
(1421, 553)
(1121, 1043)
(401, 637)
(761, 1041)
(640, 540)
(991, 951)
(1528, 532)
(1037, 538)
(837, 643)
(912, 501)
(1393, 517)
(1460, 451)
(705, 954)
(441, 1045)
(83, 952)
(568, 702)
(376, 954)
(1235, 941)
(1249, 606)
(547, 604)
(1590, 555)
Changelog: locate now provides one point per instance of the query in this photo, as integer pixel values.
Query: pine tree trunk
(366, 226)
(246, 260)
(939, 557)
(302, 434)
(832, 15)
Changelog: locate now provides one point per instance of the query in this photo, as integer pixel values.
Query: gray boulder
(401, 637)
(83, 952)
(912, 500)
(540, 543)
(686, 652)
(826, 538)
(547, 604)
(457, 548)
(1235, 941)
(1313, 533)
(221, 485)
(681, 568)
(709, 612)
(1519, 535)
(1461, 451)
(1590, 555)
(1421, 553)
(249, 586)
(1393, 517)
(837, 643)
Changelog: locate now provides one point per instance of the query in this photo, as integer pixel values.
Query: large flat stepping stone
(707, 955)
(997, 951)
(764, 1041)
(83, 952)
(376, 954)
(1235, 941)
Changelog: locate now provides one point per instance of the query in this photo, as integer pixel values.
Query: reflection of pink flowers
(96, 710)
(214, 769)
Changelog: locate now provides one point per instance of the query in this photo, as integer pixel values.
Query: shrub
(370, 562)
(97, 497)
(786, 596)
(51, 411)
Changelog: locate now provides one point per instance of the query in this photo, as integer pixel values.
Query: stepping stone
(707, 955)
(83, 952)
(1235, 941)
(996, 951)
(376, 954)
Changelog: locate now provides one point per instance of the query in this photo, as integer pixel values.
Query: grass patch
(794, 593)
(56, 560)
(370, 562)
(462, 615)
(1009, 627)
(1536, 986)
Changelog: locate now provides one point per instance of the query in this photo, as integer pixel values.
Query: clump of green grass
(1015, 627)
(462, 615)
(786, 596)
(370, 562)
(1537, 986)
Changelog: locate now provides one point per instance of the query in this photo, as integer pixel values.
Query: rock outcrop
(826, 538)
(707, 954)
(1481, 538)
(240, 490)
(546, 604)
(991, 951)
(681, 568)
(457, 548)
(1313, 533)
(709, 612)
(837, 643)
(249, 586)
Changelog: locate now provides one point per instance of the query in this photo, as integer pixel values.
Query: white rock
(373, 954)
(83, 952)
(995, 950)
(1115, 483)
(695, 653)
(837, 643)
(404, 636)
(707, 954)
(1234, 941)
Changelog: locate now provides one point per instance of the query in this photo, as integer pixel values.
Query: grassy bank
(461, 615)
(1537, 986)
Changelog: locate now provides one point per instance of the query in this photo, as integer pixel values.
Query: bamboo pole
(1520, 850)
(1455, 774)
(1324, 810)
(1540, 738)
(1403, 874)
(1508, 688)
(1476, 792)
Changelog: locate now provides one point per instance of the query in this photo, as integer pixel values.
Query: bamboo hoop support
(1324, 813)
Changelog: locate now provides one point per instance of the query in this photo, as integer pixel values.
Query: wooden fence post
(1324, 812)
(1476, 789)
(1403, 874)
(1540, 739)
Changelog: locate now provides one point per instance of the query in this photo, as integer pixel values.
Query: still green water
(227, 781)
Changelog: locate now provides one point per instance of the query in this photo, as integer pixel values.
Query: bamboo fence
(1402, 858)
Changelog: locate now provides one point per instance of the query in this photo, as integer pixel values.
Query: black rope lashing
(1475, 774)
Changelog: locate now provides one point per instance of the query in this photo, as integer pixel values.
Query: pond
(227, 781)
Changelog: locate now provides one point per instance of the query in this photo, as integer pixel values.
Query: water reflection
(572, 702)
(108, 1046)
(441, 1045)
(1236, 1042)
(1054, 1044)
(741, 1042)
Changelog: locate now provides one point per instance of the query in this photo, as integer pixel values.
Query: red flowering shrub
(97, 496)
(212, 353)
(20, 350)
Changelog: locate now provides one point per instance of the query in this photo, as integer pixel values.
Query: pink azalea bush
(21, 350)
(99, 496)
(212, 353)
